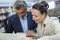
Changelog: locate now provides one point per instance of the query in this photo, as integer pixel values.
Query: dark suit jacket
(14, 24)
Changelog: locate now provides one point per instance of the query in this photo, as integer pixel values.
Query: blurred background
(6, 10)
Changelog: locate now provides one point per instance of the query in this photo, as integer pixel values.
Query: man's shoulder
(12, 16)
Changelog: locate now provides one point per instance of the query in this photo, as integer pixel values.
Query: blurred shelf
(4, 13)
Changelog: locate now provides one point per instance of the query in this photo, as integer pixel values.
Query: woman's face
(37, 16)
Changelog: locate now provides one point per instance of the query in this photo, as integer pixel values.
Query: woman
(47, 26)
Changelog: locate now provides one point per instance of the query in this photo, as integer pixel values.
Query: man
(21, 21)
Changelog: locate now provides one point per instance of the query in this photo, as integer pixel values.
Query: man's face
(21, 12)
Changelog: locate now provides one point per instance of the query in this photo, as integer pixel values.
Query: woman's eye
(34, 16)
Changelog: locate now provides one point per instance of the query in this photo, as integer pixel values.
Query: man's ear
(14, 9)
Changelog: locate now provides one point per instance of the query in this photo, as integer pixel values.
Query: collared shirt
(24, 23)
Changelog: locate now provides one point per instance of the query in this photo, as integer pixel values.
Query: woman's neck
(42, 22)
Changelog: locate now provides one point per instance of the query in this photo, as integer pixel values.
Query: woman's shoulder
(53, 18)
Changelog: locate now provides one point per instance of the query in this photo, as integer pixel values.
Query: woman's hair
(42, 7)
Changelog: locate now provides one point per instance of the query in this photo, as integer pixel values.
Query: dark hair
(42, 7)
(19, 4)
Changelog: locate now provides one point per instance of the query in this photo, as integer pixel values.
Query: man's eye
(22, 12)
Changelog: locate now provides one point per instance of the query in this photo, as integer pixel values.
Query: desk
(53, 37)
(6, 36)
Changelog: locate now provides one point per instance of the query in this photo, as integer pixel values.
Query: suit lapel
(18, 23)
(28, 20)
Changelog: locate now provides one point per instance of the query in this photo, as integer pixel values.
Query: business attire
(51, 26)
(17, 24)
(24, 23)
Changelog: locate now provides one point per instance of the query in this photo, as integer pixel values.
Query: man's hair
(19, 4)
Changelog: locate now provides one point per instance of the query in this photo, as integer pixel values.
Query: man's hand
(30, 33)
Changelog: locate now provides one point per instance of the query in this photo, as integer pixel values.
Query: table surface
(19, 36)
(6, 36)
